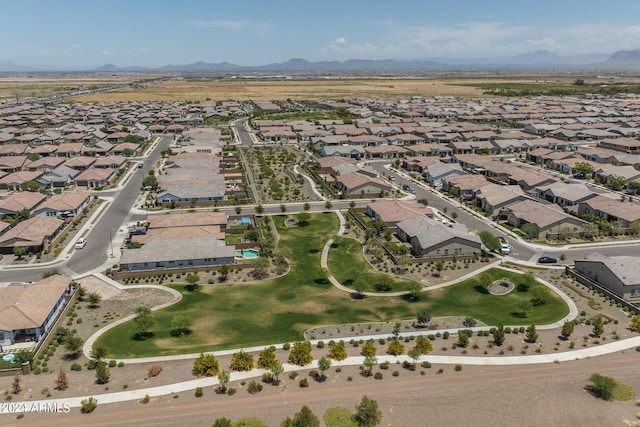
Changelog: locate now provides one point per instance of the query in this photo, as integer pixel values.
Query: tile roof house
(357, 183)
(20, 201)
(430, 239)
(182, 252)
(34, 234)
(64, 204)
(58, 177)
(93, 178)
(610, 209)
(549, 218)
(28, 311)
(493, 197)
(464, 185)
(565, 194)
(190, 219)
(618, 274)
(394, 211)
(14, 181)
(436, 172)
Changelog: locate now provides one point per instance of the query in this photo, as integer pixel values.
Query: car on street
(505, 246)
(81, 243)
(547, 260)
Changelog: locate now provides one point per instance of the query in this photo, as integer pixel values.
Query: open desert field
(23, 87)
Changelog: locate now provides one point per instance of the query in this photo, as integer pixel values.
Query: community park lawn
(347, 264)
(280, 309)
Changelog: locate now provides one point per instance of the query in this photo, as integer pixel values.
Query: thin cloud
(341, 40)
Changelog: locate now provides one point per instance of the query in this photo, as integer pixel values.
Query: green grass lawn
(280, 309)
(347, 264)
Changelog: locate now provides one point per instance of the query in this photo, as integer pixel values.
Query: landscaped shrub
(145, 399)
(88, 405)
(286, 346)
(458, 368)
(384, 365)
(445, 335)
(293, 375)
(395, 373)
(378, 375)
(112, 363)
(254, 387)
(303, 383)
(231, 391)
(320, 344)
(426, 364)
(198, 392)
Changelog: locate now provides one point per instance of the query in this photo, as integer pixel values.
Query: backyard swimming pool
(247, 253)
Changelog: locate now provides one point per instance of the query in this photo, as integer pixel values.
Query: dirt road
(538, 395)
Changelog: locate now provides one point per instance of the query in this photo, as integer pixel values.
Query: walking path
(314, 188)
(128, 395)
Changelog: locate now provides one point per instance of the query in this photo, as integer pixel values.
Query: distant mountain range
(536, 61)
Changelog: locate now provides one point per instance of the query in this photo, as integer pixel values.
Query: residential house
(564, 194)
(464, 186)
(14, 181)
(393, 211)
(350, 151)
(175, 253)
(34, 234)
(58, 177)
(430, 239)
(358, 183)
(94, 178)
(604, 173)
(64, 204)
(419, 164)
(435, 173)
(29, 310)
(549, 218)
(493, 197)
(618, 274)
(612, 210)
(17, 202)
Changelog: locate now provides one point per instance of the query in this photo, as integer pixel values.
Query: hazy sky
(66, 33)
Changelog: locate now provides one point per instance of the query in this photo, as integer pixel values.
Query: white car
(81, 243)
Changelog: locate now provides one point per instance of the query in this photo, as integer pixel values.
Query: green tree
(306, 206)
(276, 370)
(73, 344)
(181, 324)
(99, 352)
(531, 230)
(192, 280)
(369, 362)
(267, 358)
(223, 381)
(469, 322)
(102, 372)
(150, 181)
(304, 418)
(206, 365)
(328, 205)
(338, 351)
(367, 412)
(143, 321)
(300, 353)
(528, 280)
(30, 186)
(324, 363)
(241, 361)
(414, 354)
(224, 271)
(583, 169)
(303, 219)
(498, 334)
(567, 330)
(439, 268)
(490, 241)
(598, 326)
(617, 182)
(222, 422)
(485, 281)
(395, 348)
(423, 318)
(538, 295)
(601, 386)
(260, 268)
(259, 209)
(424, 344)
(463, 339)
(635, 324)
(369, 348)
(94, 299)
(532, 334)
(525, 307)
(283, 208)
(20, 251)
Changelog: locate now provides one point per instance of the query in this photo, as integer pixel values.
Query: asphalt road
(96, 251)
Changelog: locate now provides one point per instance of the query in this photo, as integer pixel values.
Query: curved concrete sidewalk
(88, 345)
(314, 188)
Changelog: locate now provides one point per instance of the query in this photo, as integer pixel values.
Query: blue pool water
(246, 220)
(248, 253)
(9, 357)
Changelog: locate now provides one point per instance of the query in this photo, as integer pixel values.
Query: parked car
(81, 243)
(547, 260)
(392, 178)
